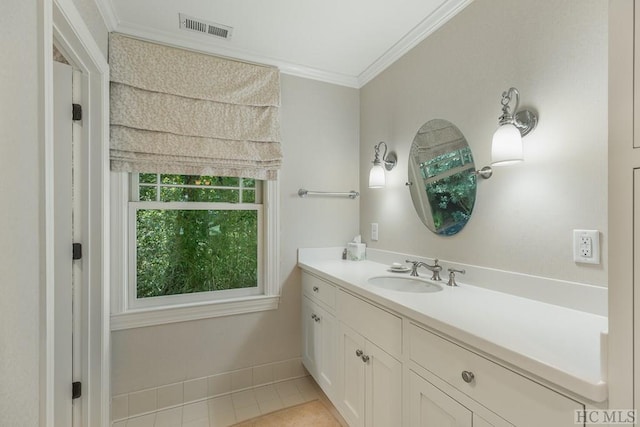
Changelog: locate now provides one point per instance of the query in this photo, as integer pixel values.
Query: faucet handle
(452, 276)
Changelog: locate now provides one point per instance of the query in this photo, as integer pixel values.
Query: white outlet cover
(578, 255)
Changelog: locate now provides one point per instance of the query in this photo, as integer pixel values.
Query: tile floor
(230, 409)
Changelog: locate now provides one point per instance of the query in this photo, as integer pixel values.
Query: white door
(309, 338)
(65, 414)
(351, 376)
(431, 407)
(383, 387)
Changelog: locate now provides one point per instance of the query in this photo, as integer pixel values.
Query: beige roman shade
(181, 112)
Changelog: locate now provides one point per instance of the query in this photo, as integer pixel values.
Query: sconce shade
(376, 177)
(506, 147)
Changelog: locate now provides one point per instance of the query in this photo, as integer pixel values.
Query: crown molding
(447, 10)
(192, 42)
(108, 12)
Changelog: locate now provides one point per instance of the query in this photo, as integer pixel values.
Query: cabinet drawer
(319, 290)
(377, 325)
(519, 400)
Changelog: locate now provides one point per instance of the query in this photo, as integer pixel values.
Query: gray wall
(21, 191)
(555, 53)
(320, 143)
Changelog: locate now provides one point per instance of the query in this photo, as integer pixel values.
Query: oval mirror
(442, 177)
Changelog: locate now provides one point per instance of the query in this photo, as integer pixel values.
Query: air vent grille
(200, 26)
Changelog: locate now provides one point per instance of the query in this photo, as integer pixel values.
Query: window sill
(182, 313)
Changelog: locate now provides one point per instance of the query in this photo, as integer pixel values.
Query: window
(195, 245)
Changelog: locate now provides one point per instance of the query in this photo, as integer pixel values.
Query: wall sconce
(376, 175)
(506, 147)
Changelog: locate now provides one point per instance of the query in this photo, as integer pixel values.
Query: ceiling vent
(200, 26)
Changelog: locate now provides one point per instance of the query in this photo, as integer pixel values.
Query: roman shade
(180, 112)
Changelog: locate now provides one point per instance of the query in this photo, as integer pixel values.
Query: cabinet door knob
(316, 289)
(467, 376)
(359, 353)
(365, 358)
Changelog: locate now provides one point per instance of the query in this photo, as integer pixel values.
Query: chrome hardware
(452, 276)
(365, 358)
(467, 376)
(435, 268)
(316, 289)
(359, 353)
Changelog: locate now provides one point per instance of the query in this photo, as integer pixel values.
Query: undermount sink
(404, 284)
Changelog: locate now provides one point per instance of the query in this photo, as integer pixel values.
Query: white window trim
(124, 316)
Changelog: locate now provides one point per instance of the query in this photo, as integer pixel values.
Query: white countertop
(557, 344)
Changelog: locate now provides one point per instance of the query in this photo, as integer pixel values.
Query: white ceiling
(347, 42)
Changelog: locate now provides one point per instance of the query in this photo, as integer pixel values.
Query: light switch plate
(586, 246)
(374, 231)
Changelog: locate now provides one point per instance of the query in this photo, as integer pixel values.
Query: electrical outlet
(374, 231)
(586, 246)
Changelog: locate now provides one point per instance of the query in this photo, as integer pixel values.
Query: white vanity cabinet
(381, 367)
(369, 378)
(319, 333)
(513, 397)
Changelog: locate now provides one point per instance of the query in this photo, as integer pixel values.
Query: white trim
(48, 291)
(74, 36)
(271, 248)
(108, 12)
(157, 316)
(447, 10)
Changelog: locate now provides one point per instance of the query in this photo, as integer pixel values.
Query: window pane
(249, 182)
(248, 196)
(148, 178)
(179, 194)
(147, 194)
(187, 251)
(214, 181)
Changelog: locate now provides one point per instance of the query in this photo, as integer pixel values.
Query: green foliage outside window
(182, 251)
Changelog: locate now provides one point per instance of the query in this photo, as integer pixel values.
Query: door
(431, 407)
(326, 329)
(66, 412)
(351, 374)
(309, 338)
(383, 387)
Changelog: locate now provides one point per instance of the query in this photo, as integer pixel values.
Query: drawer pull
(316, 289)
(467, 376)
(365, 358)
(359, 353)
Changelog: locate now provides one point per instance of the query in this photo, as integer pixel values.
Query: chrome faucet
(452, 276)
(435, 268)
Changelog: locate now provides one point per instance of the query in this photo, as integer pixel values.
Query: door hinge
(77, 251)
(77, 112)
(76, 390)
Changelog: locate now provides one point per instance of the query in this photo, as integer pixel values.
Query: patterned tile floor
(236, 407)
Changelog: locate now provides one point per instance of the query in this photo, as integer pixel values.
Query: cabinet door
(351, 375)
(383, 388)
(310, 340)
(326, 363)
(431, 407)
